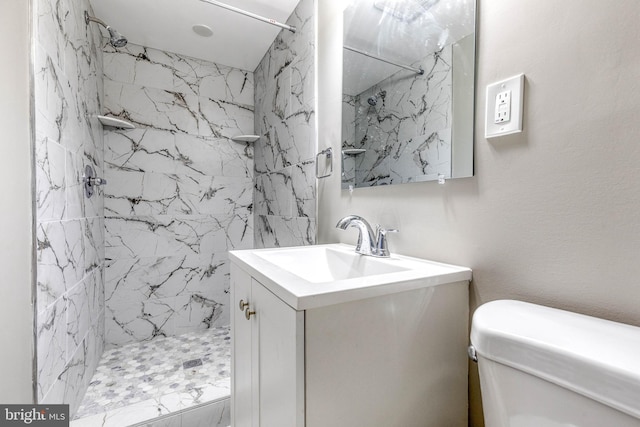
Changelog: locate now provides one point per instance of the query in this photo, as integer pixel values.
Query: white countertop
(300, 276)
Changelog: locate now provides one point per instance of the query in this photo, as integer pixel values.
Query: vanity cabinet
(267, 357)
(345, 354)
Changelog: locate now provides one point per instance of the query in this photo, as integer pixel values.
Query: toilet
(544, 367)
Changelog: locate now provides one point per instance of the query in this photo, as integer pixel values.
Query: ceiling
(238, 41)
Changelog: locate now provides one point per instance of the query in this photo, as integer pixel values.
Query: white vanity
(322, 336)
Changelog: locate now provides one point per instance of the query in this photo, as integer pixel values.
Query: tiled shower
(144, 262)
(179, 193)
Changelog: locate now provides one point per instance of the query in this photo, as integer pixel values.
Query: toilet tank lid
(597, 358)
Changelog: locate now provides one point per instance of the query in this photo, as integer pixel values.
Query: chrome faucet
(368, 244)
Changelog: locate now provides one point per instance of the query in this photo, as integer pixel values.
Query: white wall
(16, 313)
(552, 215)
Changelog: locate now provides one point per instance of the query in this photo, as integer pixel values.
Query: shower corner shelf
(115, 122)
(353, 151)
(246, 138)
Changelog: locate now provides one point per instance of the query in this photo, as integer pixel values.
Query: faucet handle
(381, 230)
(382, 249)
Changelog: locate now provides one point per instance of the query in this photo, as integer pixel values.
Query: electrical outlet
(503, 107)
(505, 100)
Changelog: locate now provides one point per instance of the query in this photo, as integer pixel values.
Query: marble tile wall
(407, 134)
(180, 192)
(285, 184)
(68, 93)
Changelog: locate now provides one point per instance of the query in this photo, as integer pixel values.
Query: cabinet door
(241, 411)
(278, 361)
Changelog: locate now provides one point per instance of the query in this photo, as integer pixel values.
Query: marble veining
(285, 183)
(145, 259)
(180, 192)
(150, 150)
(69, 229)
(175, 293)
(141, 66)
(149, 193)
(177, 112)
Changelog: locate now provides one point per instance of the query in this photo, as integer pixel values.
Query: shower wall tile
(209, 311)
(51, 96)
(77, 307)
(147, 67)
(50, 180)
(76, 376)
(273, 193)
(285, 183)
(93, 243)
(163, 235)
(75, 203)
(177, 112)
(70, 249)
(287, 193)
(60, 259)
(150, 150)
(97, 303)
(132, 321)
(304, 193)
(144, 278)
(48, 22)
(180, 192)
(149, 193)
(163, 317)
(270, 150)
(278, 231)
(51, 344)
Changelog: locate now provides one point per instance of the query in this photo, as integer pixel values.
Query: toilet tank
(543, 367)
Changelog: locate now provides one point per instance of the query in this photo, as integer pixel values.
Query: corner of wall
(16, 245)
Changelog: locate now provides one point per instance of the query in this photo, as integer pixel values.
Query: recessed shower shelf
(353, 151)
(115, 123)
(246, 138)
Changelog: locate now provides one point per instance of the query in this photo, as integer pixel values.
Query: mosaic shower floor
(172, 373)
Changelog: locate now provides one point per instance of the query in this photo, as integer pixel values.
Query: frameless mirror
(408, 91)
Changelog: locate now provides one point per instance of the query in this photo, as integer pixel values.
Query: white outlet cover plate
(514, 84)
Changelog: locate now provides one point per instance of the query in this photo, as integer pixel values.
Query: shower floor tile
(188, 366)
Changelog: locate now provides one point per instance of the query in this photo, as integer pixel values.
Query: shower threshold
(165, 382)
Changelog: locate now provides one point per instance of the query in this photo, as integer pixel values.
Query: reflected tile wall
(285, 184)
(407, 135)
(180, 192)
(68, 93)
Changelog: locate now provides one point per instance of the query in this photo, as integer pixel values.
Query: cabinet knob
(243, 305)
(248, 314)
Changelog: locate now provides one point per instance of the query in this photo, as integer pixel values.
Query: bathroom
(548, 216)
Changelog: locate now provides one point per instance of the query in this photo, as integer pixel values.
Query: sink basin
(314, 276)
(318, 264)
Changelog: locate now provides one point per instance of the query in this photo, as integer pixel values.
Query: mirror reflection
(408, 88)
